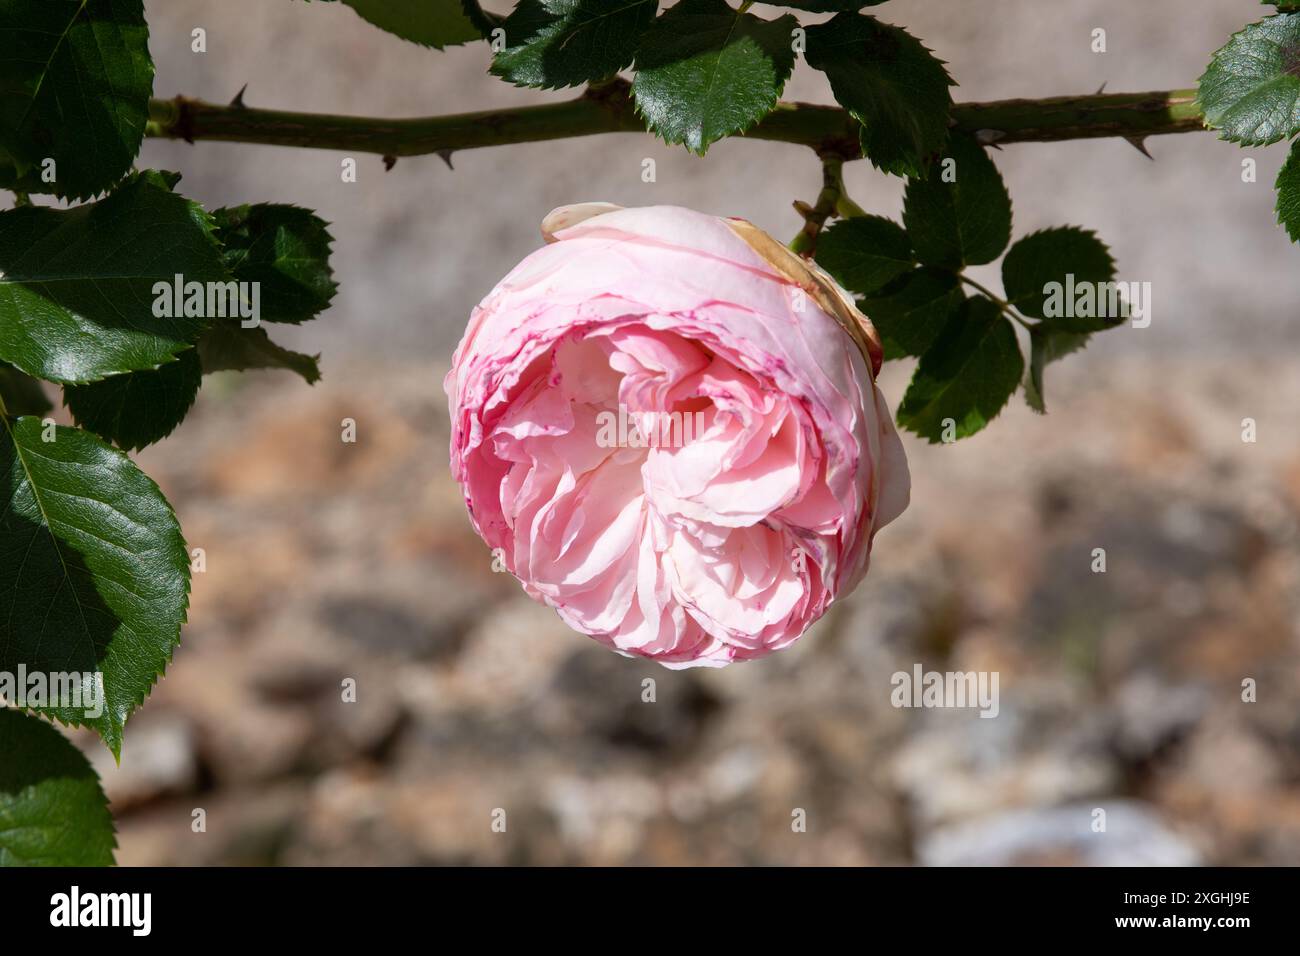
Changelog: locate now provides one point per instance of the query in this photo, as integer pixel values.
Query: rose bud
(666, 426)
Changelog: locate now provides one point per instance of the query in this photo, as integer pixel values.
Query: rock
(389, 627)
(1034, 753)
(1150, 716)
(1134, 836)
(158, 760)
(603, 697)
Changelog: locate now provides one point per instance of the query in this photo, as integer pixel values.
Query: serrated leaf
(705, 71)
(94, 573)
(227, 347)
(1047, 345)
(1046, 274)
(1288, 194)
(959, 214)
(865, 253)
(890, 83)
(555, 43)
(139, 408)
(966, 377)
(52, 809)
(285, 251)
(77, 78)
(77, 297)
(914, 311)
(21, 393)
(1251, 90)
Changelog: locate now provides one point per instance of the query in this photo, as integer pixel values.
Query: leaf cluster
(910, 280)
(121, 292)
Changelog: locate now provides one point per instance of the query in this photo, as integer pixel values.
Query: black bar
(436, 905)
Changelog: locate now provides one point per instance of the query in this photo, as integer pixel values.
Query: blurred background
(326, 561)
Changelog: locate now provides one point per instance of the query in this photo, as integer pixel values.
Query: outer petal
(562, 217)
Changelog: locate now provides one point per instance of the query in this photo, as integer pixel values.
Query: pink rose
(664, 426)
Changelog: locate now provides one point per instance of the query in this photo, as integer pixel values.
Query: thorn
(802, 208)
(238, 101)
(445, 155)
(1140, 144)
(389, 162)
(1101, 89)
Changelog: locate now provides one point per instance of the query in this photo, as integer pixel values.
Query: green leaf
(162, 178)
(21, 393)
(826, 6)
(865, 253)
(1046, 345)
(965, 379)
(77, 286)
(914, 311)
(554, 43)
(285, 250)
(77, 78)
(484, 21)
(94, 574)
(52, 809)
(705, 71)
(1046, 274)
(1288, 194)
(960, 213)
(432, 23)
(1251, 90)
(139, 408)
(227, 347)
(435, 23)
(890, 83)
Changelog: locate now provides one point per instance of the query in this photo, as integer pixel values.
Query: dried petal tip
(562, 217)
(820, 286)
